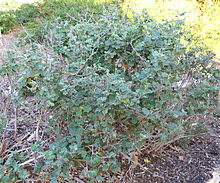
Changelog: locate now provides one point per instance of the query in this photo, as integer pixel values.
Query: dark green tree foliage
(114, 84)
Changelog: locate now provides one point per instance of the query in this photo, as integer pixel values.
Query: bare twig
(78, 180)
(137, 53)
(135, 162)
(18, 151)
(170, 142)
(3, 147)
(16, 121)
(30, 160)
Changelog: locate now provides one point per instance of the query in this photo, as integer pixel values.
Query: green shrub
(7, 21)
(27, 13)
(114, 84)
(11, 18)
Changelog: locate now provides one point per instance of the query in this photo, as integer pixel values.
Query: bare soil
(192, 161)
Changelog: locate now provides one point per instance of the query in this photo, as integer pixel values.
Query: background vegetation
(201, 17)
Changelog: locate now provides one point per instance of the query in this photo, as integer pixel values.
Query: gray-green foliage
(114, 84)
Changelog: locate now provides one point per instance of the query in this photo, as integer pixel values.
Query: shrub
(7, 21)
(114, 85)
(13, 16)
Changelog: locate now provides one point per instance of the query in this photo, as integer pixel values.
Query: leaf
(159, 43)
(134, 159)
(101, 154)
(78, 111)
(127, 100)
(215, 179)
(145, 111)
(87, 108)
(146, 160)
(164, 74)
(49, 154)
(1, 160)
(181, 158)
(3, 147)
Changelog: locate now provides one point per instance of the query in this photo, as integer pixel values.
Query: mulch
(186, 161)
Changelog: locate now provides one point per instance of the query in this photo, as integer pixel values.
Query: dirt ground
(196, 160)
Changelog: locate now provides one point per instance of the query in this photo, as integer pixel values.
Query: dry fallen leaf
(176, 148)
(3, 147)
(215, 179)
(146, 160)
(134, 159)
(181, 158)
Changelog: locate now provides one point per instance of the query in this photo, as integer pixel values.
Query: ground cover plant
(110, 87)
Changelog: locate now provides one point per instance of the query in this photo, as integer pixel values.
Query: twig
(78, 180)
(87, 60)
(69, 16)
(138, 54)
(216, 58)
(37, 131)
(16, 121)
(3, 147)
(167, 143)
(135, 162)
(30, 160)
(25, 149)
